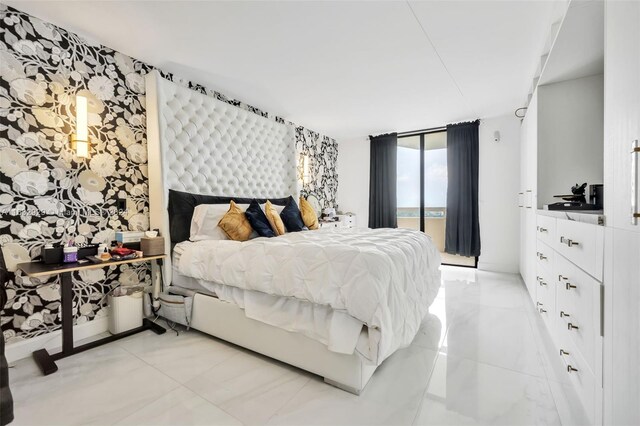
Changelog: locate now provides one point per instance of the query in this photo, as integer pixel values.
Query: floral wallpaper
(48, 194)
(323, 154)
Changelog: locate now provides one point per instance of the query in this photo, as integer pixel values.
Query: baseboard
(53, 341)
(498, 267)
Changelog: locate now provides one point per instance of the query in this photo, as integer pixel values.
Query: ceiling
(346, 69)
(578, 50)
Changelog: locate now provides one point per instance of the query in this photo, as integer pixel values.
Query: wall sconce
(79, 140)
(306, 174)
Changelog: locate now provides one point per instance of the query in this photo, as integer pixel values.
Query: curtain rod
(418, 132)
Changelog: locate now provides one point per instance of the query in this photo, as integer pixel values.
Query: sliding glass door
(422, 188)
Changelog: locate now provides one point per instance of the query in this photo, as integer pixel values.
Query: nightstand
(347, 220)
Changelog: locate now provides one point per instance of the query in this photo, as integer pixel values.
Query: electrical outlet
(121, 204)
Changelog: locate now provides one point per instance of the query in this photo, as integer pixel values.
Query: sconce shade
(80, 140)
(82, 132)
(82, 149)
(305, 169)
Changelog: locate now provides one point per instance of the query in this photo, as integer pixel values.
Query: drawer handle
(570, 368)
(572, 327)
(564, 314)
(542, 256)
(569, 286)
(563, 352)
(542, 283)
(569, 242)
(539, 304)
(541, 229)
(561, 278)
(543, 311)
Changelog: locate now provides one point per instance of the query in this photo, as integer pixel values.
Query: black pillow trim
(258, 220)
(182, 205)
(291, 216)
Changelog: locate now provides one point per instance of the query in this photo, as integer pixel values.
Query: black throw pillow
(258, 220)
(291, 216)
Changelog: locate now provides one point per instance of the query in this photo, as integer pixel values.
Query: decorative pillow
(235, 224)
(274, 218)
(258, 220)
(182, 205)
(308, 214)
(291, 216)
(206, 217)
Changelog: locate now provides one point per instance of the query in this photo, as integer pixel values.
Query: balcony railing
(434, 222)
(429, 212)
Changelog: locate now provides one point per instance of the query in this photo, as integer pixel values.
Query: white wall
(353, 178)
(498, 185)
(498, 189)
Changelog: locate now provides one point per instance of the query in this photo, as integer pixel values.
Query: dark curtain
(382, 181)
(463, 228)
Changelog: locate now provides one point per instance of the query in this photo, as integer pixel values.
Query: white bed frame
(201, 145)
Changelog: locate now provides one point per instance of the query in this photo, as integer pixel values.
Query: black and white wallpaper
(48, 194)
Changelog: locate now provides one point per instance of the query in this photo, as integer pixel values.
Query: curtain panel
(383, 181)
(462, 234)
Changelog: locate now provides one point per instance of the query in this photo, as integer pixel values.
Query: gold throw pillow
(308, 214)
(235, 224)
(274, 219)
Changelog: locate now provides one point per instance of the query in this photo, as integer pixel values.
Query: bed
(335, 302)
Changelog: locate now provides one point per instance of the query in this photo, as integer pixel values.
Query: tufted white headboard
(199, 144)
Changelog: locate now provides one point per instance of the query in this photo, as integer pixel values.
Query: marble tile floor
(474, 361)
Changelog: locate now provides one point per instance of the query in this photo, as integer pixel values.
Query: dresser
(344, 221)
(569, 299)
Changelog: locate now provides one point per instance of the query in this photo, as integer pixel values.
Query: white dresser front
(569, 263)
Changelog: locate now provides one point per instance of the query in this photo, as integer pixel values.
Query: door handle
(572, 327)
(569, 286)
(563, 352)
(563, 314)
(570, 368)
(635, 150)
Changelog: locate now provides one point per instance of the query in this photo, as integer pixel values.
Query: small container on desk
(151, 246)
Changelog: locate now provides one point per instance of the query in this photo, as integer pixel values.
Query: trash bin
(125, 308)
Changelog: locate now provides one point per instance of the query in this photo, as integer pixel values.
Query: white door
(622, 112)
(622, 243)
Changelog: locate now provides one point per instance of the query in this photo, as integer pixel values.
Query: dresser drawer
(582, 244)
(546, 298)
(348, 221)
(334, 224)
(544, 256)
(546, 229)
(578, 308)
(581, 378)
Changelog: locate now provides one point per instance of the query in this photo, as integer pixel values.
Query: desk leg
(42, 357)
(67, 312)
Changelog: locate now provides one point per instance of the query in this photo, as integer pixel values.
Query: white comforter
(386, 278)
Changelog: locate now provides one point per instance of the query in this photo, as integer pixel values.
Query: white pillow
(204, 223)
